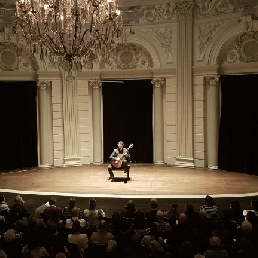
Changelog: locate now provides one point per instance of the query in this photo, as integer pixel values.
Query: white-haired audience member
(2, 254)
(216, 250)
(102, 236)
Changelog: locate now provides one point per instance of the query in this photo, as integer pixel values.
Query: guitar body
(118, 163)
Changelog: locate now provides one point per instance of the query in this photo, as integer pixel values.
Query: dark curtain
(18, 131)
(238, 135)
(127, 117)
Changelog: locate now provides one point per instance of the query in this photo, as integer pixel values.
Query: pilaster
(70, 118)
(158, 121)
(45, 124)
(184, 14)
(212, 90)
(97, 121)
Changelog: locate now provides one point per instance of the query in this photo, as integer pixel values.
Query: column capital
(158, 82)
(96, 84)
(184, 9)
(42, 85)
(212, 80)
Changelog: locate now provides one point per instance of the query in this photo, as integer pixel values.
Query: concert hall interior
(177, 79)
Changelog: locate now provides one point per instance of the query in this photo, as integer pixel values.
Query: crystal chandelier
(69, 31)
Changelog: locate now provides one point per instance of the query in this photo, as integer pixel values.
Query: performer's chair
(124, 179)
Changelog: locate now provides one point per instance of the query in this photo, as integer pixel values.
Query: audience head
(209, 201)
(246, 227)
(186, 250)
(153, 229)
(136, 240)
(156, 246)
(18, 199)
(203, 213)
(60, 255)
(182, 218)
(2, 198)
(174, 206)
(130, 206)
(190, 207)
(215, 241)
(102, 224)
(3, 254)
(52, 201)
(111, 246)
(71, 202)
(75, 212)
(76, 226)
(92, 203)
(160, 215)
(9, 235)
(154, 204)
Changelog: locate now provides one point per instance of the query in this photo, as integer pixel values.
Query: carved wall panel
(243, 49)
(205, 34)
(163, 36)
(129, 56)
(14, 57)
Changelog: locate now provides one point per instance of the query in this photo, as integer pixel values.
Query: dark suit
(114, 155)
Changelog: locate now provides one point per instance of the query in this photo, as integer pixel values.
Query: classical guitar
(120, 157)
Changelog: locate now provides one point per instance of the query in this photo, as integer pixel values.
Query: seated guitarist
(119, 158)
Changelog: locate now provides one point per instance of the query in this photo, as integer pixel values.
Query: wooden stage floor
(146, 179)
(166, 183)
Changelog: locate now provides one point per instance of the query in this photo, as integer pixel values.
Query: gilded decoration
(128, 56)
(158, 82)
(42, 85)
(14, 57)
(205, 34)
(151, 13)
(184, 10)
(96, 84)
(163, 36)
(243, 49)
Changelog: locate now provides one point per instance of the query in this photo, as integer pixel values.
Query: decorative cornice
(212, 80)
(158, 82)
(42, 85)
(96, 84)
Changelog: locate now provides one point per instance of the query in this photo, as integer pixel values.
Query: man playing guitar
(119, 158)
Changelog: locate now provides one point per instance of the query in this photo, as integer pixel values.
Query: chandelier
(69, 31)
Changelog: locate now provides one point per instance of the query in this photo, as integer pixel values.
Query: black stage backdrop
(18, 130)
(238, 136)
(127, 117)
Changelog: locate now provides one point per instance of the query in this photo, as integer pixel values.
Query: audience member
(81, 240)
(4, 207)
(2, 254)
(191, 214)
(52, 212)
(216, 250)
(140, 223)
(210, 206)
(12, 244)
(129, 210)
(101, 236)
(157, 250)
(18, 211)
(237, 211)
(75, 217)
(172, 213)
(150, 215)
(93, 207)
(135, 249)
(152, 235)
(163, 226)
